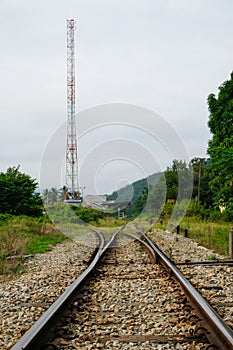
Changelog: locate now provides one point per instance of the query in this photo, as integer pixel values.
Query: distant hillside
(179, 181)
(136, 193)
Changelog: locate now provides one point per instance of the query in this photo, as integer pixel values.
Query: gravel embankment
(24, 299)
(179, 248)
(215, 283)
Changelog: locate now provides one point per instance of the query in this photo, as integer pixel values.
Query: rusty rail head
(207, 262)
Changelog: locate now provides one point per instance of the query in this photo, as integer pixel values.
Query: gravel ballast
(214, 283)
(24, 298)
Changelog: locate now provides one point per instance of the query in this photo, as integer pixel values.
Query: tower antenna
(72, 185)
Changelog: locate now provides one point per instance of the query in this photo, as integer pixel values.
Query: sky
(165, 56)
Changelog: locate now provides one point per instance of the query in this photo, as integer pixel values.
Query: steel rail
(43, 329)
(220, 334)
(207, 263)
(147, 246)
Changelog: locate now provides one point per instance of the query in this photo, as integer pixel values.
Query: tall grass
(208, 227)
(23, 235)
(212, 235)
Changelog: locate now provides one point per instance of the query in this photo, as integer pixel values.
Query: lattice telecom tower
(71, 146)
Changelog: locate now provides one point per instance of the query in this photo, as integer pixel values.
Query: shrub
(88, 215)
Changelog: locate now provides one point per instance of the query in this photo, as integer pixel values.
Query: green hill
(135, 193)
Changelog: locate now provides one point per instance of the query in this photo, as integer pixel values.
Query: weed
(212, 257)
(91, 284)
(212, 235)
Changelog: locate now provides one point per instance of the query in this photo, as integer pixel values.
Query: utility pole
(201, 162)
(71, 145)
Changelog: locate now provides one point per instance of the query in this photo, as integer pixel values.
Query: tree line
(179, 181)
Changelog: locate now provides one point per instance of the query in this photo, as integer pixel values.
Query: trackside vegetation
(209, 228)
(98, 218)
(23, 235)
(24, 229)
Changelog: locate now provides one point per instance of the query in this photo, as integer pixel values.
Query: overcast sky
(164, 55)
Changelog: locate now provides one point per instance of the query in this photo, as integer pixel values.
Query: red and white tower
(71, 146)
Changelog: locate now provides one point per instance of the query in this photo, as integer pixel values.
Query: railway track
(212, 278)
(123, 301)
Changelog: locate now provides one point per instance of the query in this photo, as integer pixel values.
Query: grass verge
(212, 235)
(20, 236)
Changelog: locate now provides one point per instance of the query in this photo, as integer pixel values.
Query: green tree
(45, 196)
(202, 192)
(18, 194)
(157, 196)
(53, 195)
(137, 205)
(220, 147)
(179, 180)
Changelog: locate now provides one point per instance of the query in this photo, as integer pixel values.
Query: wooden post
(178, 229)
(186, 232)
(231, 244)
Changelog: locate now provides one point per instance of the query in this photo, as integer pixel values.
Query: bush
(167, 210)
(88, 215)
(196, 209)
(18, 194)
(4, 218)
